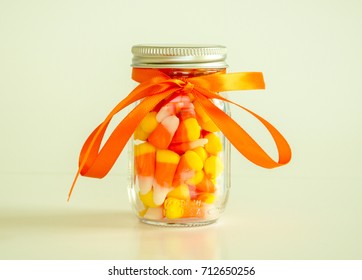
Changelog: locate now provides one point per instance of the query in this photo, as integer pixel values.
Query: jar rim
(178, 56)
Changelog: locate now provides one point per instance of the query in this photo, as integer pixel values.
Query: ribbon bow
(156, 86)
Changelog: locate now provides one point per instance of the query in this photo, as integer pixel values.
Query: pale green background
(65, 64)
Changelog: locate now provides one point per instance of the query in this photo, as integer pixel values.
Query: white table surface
(266, 218)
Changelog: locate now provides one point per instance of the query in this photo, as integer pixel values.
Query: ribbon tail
(95, 163)
(241, 140)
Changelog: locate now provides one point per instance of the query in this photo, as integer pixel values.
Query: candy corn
(196, 179)
(205, 185)
(139, 134)
(213, 145)
(208, 198)
(145, 159)
(201, 152)
(180, 192)
(166, 165)
(146, 126)
(177, 208)
(213, 167)
(147, 199)
(188, 131)
(149, 123)
(174, 208)
(189, 164)
(161, 137)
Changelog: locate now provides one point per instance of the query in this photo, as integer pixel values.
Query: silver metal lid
(179, 56)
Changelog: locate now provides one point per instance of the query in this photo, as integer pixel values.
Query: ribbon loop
(156, 86)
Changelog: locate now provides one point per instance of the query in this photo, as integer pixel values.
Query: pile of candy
(177, 161)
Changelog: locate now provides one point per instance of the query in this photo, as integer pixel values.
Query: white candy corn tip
(145, 183)
(171, 124)
(164, 112)
(160, 193)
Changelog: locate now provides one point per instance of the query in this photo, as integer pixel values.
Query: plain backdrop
(65, 64)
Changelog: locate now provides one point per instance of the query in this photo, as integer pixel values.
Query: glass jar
(179, 159)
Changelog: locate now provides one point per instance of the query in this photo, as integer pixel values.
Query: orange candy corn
(189, 164)
(166, 165)
(188, 131)
(145, 159)
(161, 137)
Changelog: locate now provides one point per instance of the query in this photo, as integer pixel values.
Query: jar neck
(189, 73)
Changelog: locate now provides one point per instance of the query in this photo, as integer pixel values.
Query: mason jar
(179, 159)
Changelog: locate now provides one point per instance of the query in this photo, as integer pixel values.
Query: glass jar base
(178, 222)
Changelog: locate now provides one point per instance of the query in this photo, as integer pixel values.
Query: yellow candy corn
(201, 152)
(213, 167)
(147, 199)
(188, 131)
(189, 164)
(213, 146)
(181, 192)
(139, 134)
(142, 212)
(208, 198)
(174, 208)
(149, 123)
(196, 179)
(146, 127)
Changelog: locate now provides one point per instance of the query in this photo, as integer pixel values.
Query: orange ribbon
(156, 86)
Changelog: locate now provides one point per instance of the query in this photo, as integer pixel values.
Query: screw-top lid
(179, 56)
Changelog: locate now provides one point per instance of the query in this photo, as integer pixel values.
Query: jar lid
(179, 56)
